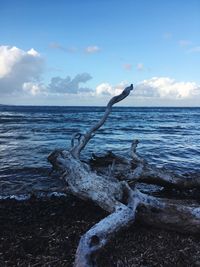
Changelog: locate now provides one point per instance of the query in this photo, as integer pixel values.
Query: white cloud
(60, 47)
(72, 49)
(92, 49)
(140, 66)
(34, 88)
(108, 89)
(18, 67)
(165, 87)
(20, 73)
(9, 57)
(33, 52)
(155, 88)
(195, 49)
(127, 66)
(184, 43)
(188, 44)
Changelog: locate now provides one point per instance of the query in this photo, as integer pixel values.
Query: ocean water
(169, 138)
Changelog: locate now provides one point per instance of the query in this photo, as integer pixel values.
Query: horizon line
(27, 105)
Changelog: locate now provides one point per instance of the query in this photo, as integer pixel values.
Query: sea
(169, 138)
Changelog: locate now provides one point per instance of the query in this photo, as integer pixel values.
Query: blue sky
(83, 52)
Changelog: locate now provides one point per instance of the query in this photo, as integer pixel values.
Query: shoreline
(46, 232)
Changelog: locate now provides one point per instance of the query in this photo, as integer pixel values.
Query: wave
(168, 137)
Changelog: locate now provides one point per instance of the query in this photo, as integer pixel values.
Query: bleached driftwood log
(106, 181)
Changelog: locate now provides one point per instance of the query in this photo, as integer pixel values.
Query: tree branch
(84, 139)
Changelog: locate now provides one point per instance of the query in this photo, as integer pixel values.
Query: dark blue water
(169, 137)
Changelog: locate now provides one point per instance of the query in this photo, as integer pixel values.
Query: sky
(75, 52)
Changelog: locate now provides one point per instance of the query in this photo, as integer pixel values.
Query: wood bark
(110, 181)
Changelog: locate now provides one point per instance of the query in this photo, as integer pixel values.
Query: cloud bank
(165, 87)
(156, 87)
(69, 85)
(21, 74)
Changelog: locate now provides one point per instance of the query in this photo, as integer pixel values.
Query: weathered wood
(138, 170)
(105, 181)
(98, 236)
(83, 139)
(177, 215)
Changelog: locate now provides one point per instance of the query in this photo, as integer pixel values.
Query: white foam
(22, 197)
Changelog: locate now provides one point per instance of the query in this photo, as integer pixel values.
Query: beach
(46, 232)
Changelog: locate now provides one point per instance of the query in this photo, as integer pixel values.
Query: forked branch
(85, 138)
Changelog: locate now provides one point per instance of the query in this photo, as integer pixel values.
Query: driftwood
(110, 181)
